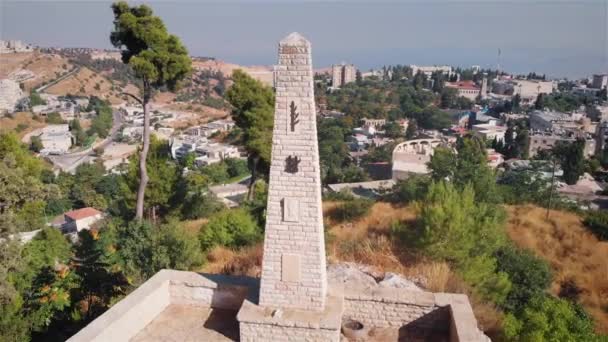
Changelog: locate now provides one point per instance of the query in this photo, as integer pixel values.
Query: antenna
(498, 65)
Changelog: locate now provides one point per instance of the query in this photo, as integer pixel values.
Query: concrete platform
(189, 323)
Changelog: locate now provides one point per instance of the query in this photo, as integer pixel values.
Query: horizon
(555, 38)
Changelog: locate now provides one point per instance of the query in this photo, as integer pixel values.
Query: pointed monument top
(294, 38)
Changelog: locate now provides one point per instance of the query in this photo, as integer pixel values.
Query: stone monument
(293, 270)
(293, 288)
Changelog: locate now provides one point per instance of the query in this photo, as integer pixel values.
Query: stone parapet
(258, 323)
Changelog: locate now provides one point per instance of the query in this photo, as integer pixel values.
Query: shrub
(352, 210)
(230, 228)
(411, 189)
(530, 275)
(21, 127)
(54, 119)
(549, 319)
(342, 195)
(597, 223)
(236, 167)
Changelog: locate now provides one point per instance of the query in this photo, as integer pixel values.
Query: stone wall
(253, 332)
(423, 313)
(129, 316)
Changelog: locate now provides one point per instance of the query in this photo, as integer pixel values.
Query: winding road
(69, 162)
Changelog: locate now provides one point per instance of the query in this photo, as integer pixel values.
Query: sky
(559, 38)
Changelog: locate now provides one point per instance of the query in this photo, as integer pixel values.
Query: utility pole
(552, 185)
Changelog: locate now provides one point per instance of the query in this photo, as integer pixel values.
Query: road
(69, 162)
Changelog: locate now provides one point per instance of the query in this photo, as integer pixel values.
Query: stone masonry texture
(294, 266)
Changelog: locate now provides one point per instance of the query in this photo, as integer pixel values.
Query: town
(145, 190)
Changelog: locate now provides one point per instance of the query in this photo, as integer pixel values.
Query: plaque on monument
(290, 268)
(291, 210)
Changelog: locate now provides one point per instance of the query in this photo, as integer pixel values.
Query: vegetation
(35, 99)
(102, 123)
(352, 209)
(253, 111)
(597, 223)
(157, 58)
(231, 228)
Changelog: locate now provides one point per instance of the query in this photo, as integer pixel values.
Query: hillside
(33, 68)
(563, 241)
(87, 82)
(573, 252)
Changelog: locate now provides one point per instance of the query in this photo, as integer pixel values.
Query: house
(215, 153)
(56, 139)
(79, 219)
(412, 156)
(467, 89)
(490, 132)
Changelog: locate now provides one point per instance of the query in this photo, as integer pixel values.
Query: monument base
(257, 323)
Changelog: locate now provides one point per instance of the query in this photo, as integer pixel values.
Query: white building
(412, 156)
(14, 46)
(490, 131)
(429, 70)
(342, 74)
(215, 153)
(554, 121)
(79, 219)
(466, 89)
(528, 90)
(56, 139)
(600, 81)
(10, 94)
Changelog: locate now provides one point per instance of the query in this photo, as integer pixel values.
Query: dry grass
(246, 261)
(87, 79)
(571, 250)
(21, 118)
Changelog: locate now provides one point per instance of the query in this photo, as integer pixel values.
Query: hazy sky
(554, 37)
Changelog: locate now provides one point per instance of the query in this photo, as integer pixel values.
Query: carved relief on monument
(291, 210)
(294, 116)
(291, 164)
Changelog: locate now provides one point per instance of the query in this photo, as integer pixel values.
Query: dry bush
(572, 251)
(246, 261)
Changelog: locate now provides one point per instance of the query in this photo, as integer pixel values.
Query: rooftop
(80, 214)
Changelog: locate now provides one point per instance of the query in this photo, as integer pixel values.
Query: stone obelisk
(293, 266)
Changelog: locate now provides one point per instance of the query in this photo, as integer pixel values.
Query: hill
(33, 68)
(578, 259)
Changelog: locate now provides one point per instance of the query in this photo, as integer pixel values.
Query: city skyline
(556, 38)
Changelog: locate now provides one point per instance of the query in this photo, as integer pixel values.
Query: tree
(36, 144)
(412, 129)
(550, 319)
(230, 228)
(158, 59)
(419, 81)
(393, 130)
(253, 112)
(572, 159)
(529, 275)
(78, 133)
(540, 101)
(358, 77)
(455, 227)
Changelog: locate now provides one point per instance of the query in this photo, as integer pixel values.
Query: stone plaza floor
(191, 323)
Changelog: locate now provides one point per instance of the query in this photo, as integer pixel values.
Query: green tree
(158, 59)
(393, 130)
(78, 133)
(231, 228)
(549, 319)
(253, 112)
(540, 101)
(36, 144)
(35, 99)
(412, 130)
(529, 275)
(455, 227)
(572, 159)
